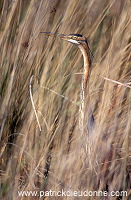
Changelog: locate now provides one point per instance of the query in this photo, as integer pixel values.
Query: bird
(86, 115)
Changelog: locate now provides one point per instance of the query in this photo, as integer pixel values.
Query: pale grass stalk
(44, 120)
(59, 95)
(117, 82)
(33, 105)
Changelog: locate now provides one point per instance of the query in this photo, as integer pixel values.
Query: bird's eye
(75, 37)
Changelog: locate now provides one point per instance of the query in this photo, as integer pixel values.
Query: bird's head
(76, 39)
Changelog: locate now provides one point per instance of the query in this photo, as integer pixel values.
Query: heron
(86, 115)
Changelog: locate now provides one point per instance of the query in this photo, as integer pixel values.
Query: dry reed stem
(33, 105)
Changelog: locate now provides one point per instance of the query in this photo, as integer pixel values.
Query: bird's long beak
(61, 36)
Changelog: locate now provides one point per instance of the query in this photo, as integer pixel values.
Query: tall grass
(55, 157)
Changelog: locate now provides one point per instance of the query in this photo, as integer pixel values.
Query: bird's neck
(87, 62)
(84, 95)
